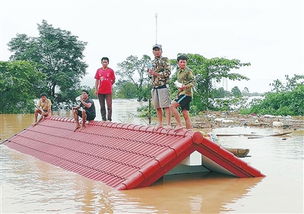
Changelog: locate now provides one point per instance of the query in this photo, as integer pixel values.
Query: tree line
(53, 62)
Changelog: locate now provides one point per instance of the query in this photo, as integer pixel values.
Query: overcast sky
(267, 33)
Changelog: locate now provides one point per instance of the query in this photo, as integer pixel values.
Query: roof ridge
(107, 136)
(129, 126)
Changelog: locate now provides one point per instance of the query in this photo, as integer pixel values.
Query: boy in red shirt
(105, 78)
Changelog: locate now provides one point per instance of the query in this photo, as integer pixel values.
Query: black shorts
(184, 101)
(89, 116)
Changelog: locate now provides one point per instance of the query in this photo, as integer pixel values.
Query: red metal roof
(123, 156)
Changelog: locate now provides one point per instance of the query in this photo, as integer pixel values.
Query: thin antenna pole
(155, 28)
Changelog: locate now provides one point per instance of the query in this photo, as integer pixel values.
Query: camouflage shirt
(161, 66)
(185, 77)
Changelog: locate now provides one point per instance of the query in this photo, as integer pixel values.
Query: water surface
(29, 185)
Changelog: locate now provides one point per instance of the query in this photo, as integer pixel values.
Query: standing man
(87, 113)
(160, 74)
(105, 78)
(43, 108)
(185, 83)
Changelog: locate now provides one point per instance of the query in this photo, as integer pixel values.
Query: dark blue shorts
(89, 116)
(184, 101)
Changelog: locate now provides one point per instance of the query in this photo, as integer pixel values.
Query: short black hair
(43, 94)
(182, 57)
(86, 91)
(105, 58)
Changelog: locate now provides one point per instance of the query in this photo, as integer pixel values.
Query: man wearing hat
(160, 74)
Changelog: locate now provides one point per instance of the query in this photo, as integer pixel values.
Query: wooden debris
(253, 136)
(272, 135)
(241, 153)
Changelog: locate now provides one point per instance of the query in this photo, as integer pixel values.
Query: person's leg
(47, 114)
(159, 113)
(187, 119)
(168, 117)
(41, 117)
(44, 114)
(75, 114)
(101, 98)
(164, 102)
(84, 118)
(90, 117)
(37, 111)
(109, 106)
(175, 112)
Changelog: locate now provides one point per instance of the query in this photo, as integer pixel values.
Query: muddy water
(29, 185)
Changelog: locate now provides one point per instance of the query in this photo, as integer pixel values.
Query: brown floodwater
(29, 185)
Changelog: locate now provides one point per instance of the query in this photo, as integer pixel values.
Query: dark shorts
(184, 101)
(89, 116)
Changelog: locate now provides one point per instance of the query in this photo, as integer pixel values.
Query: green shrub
(280, 103)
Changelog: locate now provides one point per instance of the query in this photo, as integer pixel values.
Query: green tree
(58, 54)
(245, 92)
(280, 103)
(208, 71)
(291, 83)
(285, 98)
(134, 70)
(219, 93)
(236, 92)
(125, 89)
(20, 82)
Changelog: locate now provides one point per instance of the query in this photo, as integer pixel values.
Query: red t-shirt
(105, 85)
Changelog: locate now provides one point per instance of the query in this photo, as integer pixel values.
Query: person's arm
(97, 81)
(96, 86)
(86, 105)
(166, 70)
(75, 107)
(38, 106)
(113, 77)
(49, 107)
(190, 81)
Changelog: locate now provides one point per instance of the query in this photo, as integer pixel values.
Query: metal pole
(155, 28)
(149, 113)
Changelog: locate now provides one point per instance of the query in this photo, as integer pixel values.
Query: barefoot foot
(177, 128)
(76, 128)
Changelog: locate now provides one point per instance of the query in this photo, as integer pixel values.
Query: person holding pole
(160, 74)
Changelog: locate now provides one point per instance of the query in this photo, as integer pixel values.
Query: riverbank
(215, 119)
